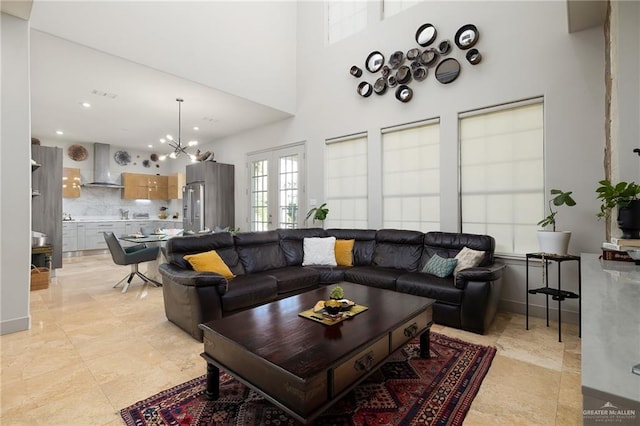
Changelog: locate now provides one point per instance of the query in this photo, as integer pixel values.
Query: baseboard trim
(15, 325)
(538, 311)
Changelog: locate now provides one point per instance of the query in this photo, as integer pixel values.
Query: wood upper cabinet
(70, 182)
(176, 182)
(138, 186)
(158, 186)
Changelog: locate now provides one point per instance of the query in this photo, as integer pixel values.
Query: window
(502, 174)
(275, 190)
(288, 191)
(259, 195)
(346, 180)
(411, 177)
(393, 7)
(344, 18)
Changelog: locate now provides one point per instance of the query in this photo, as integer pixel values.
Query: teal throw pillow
(440, 267)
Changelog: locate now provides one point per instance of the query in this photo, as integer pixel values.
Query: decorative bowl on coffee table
(333, 307)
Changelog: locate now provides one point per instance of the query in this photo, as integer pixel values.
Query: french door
(276, 188)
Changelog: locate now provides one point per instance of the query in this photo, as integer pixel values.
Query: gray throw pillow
(439, 266)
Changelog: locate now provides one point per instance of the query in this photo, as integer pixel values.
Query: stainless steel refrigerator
(208, 197)
(193, 214)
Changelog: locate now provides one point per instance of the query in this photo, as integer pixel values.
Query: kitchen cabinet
(176, 182)
(135, 187)
(135, 227)
(70, 182)
(46, 209)
(138, 186)
(90, 234)
(69, 236)
(81, 235)
(158, 187)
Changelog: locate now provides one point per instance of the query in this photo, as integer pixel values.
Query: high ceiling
(131, 60)
(233, 63)
(131, 105)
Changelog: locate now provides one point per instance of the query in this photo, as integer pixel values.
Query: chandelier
(176, 144)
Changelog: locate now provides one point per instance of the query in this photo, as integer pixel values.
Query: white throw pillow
(319, 251)
(468, 258)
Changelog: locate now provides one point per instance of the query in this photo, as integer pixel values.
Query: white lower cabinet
(91, 234)
(69, 236)
(78, 236)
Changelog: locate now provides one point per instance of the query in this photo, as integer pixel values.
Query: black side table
(555, 293)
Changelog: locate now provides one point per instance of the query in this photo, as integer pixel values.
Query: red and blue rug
(406, 390)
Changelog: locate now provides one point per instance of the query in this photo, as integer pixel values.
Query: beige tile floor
(93, 350)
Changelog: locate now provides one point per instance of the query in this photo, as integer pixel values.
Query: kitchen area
(80, 191)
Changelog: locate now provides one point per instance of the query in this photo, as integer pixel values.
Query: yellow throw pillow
(209, 261)
(344, 252)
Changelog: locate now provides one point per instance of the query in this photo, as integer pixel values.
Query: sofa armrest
(195, 279)
(480, 273)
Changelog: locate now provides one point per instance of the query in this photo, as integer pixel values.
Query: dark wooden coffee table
(303, 366)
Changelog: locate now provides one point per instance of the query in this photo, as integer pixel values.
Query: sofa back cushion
(291, 243)
(221, 242)
(364, 246)
(449, 244)
(398, 249)
(259, 251)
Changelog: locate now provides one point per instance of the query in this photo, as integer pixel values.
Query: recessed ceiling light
(162, 140)
(59, 132)
(150, 146)
(86, 104)
(196, 128)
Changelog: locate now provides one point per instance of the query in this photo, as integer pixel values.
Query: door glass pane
(259, 195)
(288, 192)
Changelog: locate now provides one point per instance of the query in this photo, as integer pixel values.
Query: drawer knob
(411, 331)
(365, 363)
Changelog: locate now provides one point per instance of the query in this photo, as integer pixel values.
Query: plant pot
(629, 220)
(555, 242)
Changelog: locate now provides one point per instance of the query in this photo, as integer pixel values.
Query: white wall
(522, 58)
(626, 118)
(15, 173)
(246, 48)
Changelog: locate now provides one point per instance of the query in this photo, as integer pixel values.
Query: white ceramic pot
(556, 242)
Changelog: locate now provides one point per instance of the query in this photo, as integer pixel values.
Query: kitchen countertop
(610, 330)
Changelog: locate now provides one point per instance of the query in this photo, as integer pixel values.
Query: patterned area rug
(406, 390)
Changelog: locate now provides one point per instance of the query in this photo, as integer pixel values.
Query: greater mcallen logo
(609, 412)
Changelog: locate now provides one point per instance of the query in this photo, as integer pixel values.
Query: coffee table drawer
(298, 395)
(409, 330)
(360, 364)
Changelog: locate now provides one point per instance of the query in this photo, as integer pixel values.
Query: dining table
(153, 267)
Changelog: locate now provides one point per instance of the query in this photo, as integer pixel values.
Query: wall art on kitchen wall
(122, 158)
(77, 152)
(401, 69)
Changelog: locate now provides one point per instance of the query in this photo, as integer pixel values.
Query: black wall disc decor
(403, 69)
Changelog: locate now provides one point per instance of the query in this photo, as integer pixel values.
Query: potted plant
(624, 196)
(319, 213)
(552, 241)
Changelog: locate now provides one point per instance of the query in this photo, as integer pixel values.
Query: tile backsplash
(107, 202)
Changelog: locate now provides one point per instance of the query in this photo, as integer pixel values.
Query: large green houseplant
(625, 197)
(552, 241)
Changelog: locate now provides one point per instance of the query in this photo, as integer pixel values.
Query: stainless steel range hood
(102, 177)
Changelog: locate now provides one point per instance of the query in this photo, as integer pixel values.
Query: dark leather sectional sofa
(268, 267)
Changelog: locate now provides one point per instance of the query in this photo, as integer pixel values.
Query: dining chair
(133, 256)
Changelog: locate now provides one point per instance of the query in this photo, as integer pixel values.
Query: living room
(521, 59)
